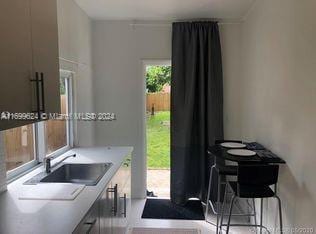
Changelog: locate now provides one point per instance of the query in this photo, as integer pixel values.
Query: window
(19, 148)
(26, 146)
(56, 131)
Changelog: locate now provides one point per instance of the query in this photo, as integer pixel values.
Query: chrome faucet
(48, 165)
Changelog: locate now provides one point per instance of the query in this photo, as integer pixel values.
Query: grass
(158, 141)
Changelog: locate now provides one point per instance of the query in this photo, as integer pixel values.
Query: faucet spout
(48, 165)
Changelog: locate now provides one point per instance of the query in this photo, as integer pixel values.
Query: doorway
(158, 90)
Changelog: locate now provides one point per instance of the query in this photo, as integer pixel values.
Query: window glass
(56, 133)
(19, 146)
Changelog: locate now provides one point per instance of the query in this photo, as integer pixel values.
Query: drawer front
(91, 223)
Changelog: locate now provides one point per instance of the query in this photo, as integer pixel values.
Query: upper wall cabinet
(29, 66)
(45, 50)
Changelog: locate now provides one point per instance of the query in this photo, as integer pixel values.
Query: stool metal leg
(223, 209)
(209, 193)
(230, 213)
(218, 201)
(254, 212)
(280, 213)
(261, 214)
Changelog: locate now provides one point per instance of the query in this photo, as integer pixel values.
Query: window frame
(39, 139)
(68, 76)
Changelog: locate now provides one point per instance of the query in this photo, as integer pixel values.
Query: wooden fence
(56, 130)
(160, 101)
(19, 146)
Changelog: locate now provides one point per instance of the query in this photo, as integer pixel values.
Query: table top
(221, 152)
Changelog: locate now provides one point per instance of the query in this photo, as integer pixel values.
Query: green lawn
(158, 140)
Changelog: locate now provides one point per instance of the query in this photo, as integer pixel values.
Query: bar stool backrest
(257, 175)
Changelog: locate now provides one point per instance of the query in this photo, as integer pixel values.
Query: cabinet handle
(36, 80)
(114, 190)
(91, 225)
(124, 212)
(43, 92)
(115, 201)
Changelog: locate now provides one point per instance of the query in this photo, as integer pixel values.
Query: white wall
(269, 64)
(118, 50)
(231, 49)
(75, 46)
(278, 99)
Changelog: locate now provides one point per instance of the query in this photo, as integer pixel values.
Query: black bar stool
(222, 170)
(253, 181)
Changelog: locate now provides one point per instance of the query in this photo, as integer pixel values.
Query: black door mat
(165, 209)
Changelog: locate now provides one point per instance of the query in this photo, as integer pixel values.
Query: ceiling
(165, 9)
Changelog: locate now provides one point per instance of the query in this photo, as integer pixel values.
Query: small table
(221, 152)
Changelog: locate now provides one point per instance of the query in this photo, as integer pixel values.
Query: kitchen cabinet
(91, 223)
(45, 51)
(15, 57)
(28, 49)
(106, 203)
(113, 206)
(122, 181)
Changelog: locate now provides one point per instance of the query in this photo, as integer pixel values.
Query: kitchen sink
(88, 174)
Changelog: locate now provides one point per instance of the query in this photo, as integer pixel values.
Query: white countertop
(58, 217)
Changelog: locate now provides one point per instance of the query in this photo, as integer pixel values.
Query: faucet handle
(48, 157)
(48, 164)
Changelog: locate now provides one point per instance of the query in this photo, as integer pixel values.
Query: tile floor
(165, 231)
(204, 227)
(158, 181)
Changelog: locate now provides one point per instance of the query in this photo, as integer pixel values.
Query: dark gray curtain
(196, 106)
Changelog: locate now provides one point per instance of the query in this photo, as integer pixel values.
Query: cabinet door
(125, 205)
(45, 51)
(15, 59)
(120, 222)
(106, 206)
(122, 179)
(125, 198)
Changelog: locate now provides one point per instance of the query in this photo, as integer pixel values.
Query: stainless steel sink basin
(88, 174)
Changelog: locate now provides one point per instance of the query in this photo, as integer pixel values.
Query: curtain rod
(170, 24)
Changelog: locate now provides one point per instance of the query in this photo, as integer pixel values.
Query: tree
(157, 77)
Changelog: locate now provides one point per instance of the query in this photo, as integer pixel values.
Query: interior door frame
(145, 63)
